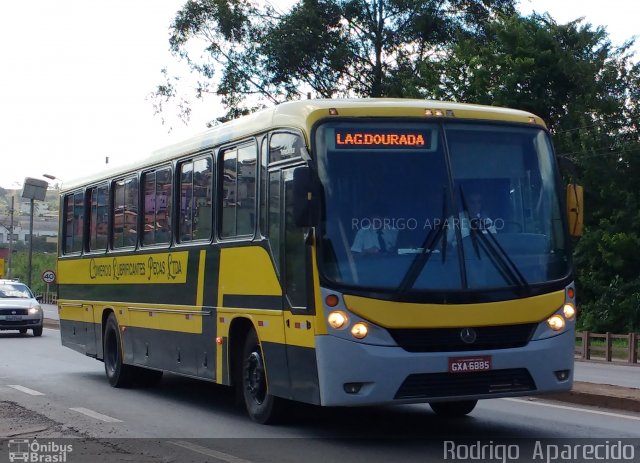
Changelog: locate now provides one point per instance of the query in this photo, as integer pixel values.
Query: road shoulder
(601, 395)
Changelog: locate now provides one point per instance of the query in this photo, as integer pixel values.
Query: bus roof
(303, 114)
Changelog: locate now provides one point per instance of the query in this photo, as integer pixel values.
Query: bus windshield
(416, 206)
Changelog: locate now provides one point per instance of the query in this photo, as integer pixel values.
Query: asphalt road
(200, 420)
(50, 311)
(606, 373)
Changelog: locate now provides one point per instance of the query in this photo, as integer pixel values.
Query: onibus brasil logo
(36, 452)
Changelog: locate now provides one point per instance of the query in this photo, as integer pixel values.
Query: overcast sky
(75, 76)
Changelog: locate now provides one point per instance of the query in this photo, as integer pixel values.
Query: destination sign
(358, 139)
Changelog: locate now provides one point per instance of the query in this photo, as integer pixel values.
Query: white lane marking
(96, 415)
(208, 452)
(576, 409)
(26, 390)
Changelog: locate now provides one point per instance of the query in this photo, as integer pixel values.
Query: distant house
(42, 226)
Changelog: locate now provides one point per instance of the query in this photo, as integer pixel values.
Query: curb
(600, 395)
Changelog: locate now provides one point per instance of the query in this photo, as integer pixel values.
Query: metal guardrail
(608, 347)
(49, 298)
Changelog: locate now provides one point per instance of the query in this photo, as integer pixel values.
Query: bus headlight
(556, 322)
(569, 311)
(359, 330)
(337, 319)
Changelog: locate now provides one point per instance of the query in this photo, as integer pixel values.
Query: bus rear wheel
(118, 374)
(453, 409)
(261, 406)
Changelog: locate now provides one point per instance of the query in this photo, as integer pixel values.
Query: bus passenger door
(295, 275)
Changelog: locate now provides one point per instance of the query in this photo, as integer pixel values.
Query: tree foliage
(587, 91)
(330, 48)
(478, 51)
(40, 262)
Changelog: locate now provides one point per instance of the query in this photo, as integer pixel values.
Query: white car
(19, 309)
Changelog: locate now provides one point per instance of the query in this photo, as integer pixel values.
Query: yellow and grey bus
(332, 252)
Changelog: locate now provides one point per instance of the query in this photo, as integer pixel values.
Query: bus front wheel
(261, 406)
(453, 409)
(118, 374)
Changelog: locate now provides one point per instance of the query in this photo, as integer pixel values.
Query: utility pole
(33, 189)
(11, 211)
(10, 236)
(30, 268)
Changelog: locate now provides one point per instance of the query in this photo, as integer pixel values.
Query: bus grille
(449, 339)
(433, 385)
(14, 311)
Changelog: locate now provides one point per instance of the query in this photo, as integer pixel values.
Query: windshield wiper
(497, 255)
(426, 252)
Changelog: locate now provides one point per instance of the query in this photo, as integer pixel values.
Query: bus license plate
(469, 364)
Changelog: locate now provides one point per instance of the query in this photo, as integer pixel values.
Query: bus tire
(453, 409)
(118, 374)
(261, 406)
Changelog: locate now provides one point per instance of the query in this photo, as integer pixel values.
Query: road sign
(49, 276)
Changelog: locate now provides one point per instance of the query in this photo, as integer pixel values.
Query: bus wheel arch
(103, 325)
(238, 331)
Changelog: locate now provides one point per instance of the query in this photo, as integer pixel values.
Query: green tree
(40, 262)
(587, 91)
(328, 47)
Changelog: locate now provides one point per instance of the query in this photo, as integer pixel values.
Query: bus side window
(196, 188)
(157, 206)
(125, 212)
(98, 218)
(263, 187)
(284, 146)
(73, 222)
(275, 239)
(238, 191)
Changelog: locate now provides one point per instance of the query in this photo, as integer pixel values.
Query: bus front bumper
(352, 373)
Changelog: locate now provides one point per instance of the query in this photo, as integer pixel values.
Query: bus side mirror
(305, 196)
(575, 211)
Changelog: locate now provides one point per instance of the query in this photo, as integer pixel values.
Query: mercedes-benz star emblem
(468, 335)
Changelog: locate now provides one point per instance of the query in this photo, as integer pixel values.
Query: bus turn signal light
(332, 300)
